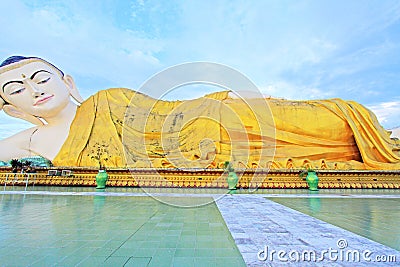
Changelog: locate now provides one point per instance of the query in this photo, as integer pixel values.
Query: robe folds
(122, 128)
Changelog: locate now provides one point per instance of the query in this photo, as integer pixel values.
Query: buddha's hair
(14, 59)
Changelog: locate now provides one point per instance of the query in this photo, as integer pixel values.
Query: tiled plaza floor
(132, 229)
(56, 230)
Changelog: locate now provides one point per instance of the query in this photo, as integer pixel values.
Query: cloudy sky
(290, 49)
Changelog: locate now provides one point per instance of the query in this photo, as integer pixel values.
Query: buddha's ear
(73, 90)
(15, 112)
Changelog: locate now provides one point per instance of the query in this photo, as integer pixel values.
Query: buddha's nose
(36, 91)
(36, 94)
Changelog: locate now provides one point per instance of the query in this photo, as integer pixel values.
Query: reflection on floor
(187, 227)
(43, 230)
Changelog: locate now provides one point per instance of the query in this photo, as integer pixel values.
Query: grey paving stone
(267, 223)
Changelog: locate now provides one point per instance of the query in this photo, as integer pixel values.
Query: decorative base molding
(205, 178)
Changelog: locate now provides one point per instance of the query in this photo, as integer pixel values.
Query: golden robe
(123, 128)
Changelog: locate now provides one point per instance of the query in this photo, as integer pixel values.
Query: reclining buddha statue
(120, 127)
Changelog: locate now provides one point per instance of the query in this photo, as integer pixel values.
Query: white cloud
(388, 113)
(283, 89)
(396, 132)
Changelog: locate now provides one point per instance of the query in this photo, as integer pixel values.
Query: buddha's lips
(41, 101)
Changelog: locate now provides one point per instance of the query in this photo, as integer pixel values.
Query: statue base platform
(203, 178)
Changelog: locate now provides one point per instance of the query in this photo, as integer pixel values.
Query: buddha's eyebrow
(32, 76)
(10, 82)
(36, 72)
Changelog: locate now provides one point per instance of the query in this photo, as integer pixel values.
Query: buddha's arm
(16, 146)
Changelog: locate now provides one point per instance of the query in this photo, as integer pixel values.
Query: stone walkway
(260, 226)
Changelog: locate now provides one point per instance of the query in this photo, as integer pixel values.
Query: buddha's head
(32, 88)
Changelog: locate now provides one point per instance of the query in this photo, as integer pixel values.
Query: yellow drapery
(122, 128)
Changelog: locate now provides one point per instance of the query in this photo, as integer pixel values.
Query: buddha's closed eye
(44, 81)
(18, 91)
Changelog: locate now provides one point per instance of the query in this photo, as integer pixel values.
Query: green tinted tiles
(80, 230)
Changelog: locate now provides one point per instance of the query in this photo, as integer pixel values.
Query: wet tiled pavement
(136, 229)
(97, 230)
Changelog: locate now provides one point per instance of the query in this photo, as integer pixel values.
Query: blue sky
(289, 49)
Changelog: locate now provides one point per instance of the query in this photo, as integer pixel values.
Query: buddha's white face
(36, 88)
